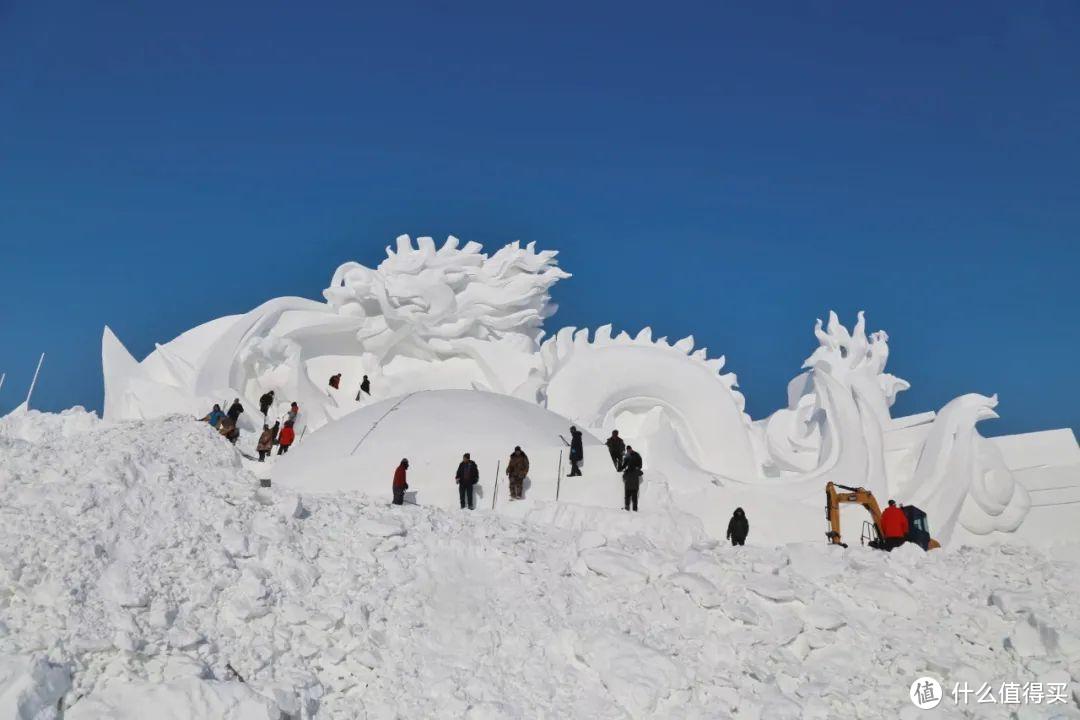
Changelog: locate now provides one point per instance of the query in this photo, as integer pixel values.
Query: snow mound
(144, 573)
(433, 429)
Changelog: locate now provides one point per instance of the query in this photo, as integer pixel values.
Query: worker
(335, 381)
(265, 402)
(285, 438)
(235, 410)
(617, 448)
(365, 386)
(290, 416)
(738, 527)
(632, 472)
(516, 470)
(214, 417)
(400, 482)
(229, 430)
(266, 443)
(466, 477)
(577, 452)
(894, 526)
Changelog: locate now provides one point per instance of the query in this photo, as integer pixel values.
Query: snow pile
(143, 573)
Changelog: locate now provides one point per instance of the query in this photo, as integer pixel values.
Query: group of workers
(623, 456)
(282, 433)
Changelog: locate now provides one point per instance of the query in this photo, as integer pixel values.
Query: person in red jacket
(285, 438)
(894, 526)
(400, 483)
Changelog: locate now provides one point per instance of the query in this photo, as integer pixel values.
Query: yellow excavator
(872, 533)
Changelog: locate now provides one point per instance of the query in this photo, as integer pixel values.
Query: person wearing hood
(632, 472)
(265, 402)
(738, 527)
(229, 430)
(516, 470)
(214, 417)
(235, 410)
(577, 452)
(617, 448)
(401, 483)
(266, 443)
(285, 438)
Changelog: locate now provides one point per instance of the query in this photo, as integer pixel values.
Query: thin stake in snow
(558, 477)
(34, 381)
(495, 492)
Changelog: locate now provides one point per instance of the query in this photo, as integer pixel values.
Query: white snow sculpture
(961, 477)
(837, 412)
(454, 318)
(605, 382)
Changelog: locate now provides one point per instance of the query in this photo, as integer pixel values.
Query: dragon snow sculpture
(431, 317)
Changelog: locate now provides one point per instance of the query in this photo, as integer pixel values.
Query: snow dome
(433, 429)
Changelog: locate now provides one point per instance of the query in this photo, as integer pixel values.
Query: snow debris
(144, 573)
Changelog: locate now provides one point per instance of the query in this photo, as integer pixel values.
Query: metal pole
(34, 381)
(2, 376)
(495, 492)
(558, 477)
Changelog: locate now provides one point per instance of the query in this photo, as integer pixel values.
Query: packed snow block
(664, 527)
(186, 699)
(615, 565)
(31, 687)
(772, 587)
(703, 592)
(379, 528)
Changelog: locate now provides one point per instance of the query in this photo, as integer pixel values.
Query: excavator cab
(918, 528)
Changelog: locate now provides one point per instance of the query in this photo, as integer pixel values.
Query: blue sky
(731, 172)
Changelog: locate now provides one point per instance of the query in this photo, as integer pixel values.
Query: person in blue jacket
(214, 417)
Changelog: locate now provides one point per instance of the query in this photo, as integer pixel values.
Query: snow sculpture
(455, 318)
(961, 477)
(837, 413)
(613, 382)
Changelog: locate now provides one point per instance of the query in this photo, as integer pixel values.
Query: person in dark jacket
(266, 443)
(617, 448)
(335, 381)
(235, 411)
(467, 476)
(214, 417)
(285, 438)
(365, 385)
(265, 402)
(738, 527)
(400, 482)
(516, 469)
(577, 452)
(632, 472)
(274, 432)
